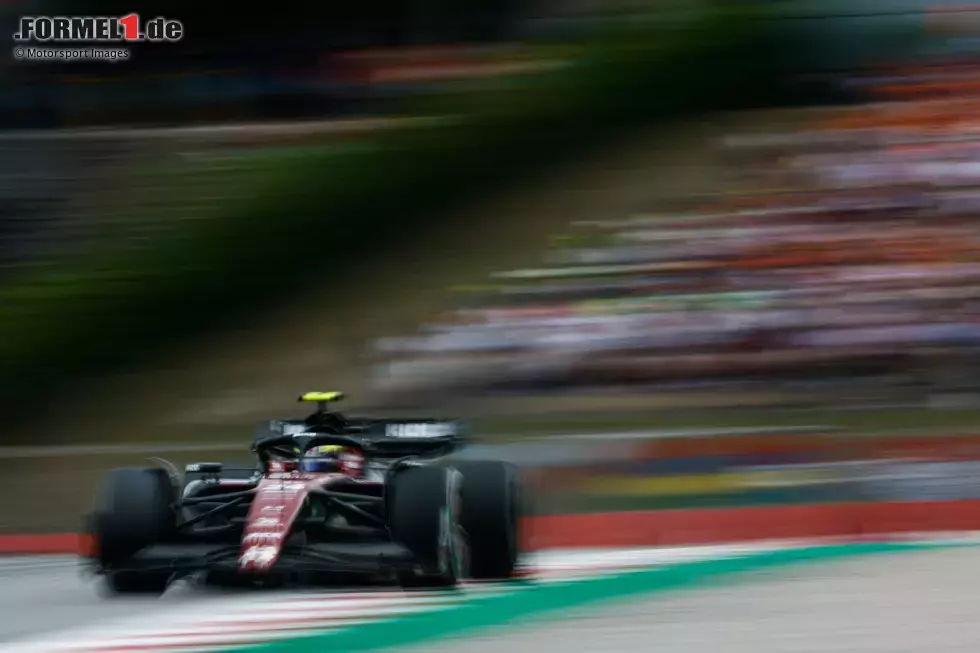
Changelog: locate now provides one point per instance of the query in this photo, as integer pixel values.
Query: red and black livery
(331, 499)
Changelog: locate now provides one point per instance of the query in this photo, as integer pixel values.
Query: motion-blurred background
(731, 246)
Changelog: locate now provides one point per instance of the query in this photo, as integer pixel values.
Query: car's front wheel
(136, 582)
(423, 515)
(134, 510)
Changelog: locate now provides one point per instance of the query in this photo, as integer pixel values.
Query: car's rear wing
(388, 437)
(415, 436)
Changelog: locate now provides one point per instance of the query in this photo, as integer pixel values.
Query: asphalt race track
(898, 602)
(49, 593)
(895, 603)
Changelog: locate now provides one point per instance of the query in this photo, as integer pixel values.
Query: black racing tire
(423, 515)
(491, 516)
(134, 510)
(125, 582)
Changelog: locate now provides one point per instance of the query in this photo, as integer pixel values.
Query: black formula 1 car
(330, 498)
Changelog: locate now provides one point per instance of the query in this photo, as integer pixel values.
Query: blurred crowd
(847, 248)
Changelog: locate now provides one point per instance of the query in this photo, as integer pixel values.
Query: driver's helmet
(333, 458)
(323, 459)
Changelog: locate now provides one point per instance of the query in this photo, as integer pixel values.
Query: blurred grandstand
(845, 257)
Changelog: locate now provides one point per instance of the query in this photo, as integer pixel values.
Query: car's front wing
(357, 559)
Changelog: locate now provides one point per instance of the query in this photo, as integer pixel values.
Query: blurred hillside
(155, 259)
(122, 241)
(321, 336)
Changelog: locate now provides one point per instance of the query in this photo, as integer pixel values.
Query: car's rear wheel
(134, 510)
(492, 507)
(423, 515)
